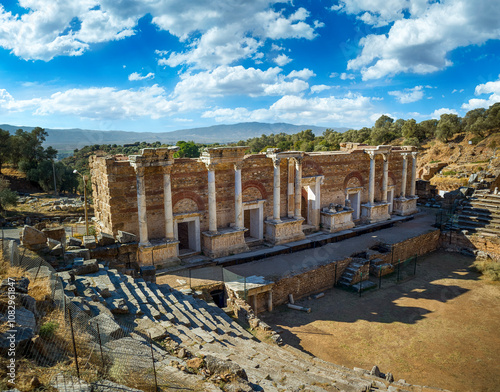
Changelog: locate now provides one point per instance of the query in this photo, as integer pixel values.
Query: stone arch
(254, 184)
(349, 180)
(392, 179)
(194, 197)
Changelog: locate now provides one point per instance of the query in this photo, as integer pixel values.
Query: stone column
(385, 179)
(141, 206)
(298, 187)
(167, 203)
(276, 192)
(238, 196)
(403, 181)
(212, 202)
(413, 173)
(371, 184)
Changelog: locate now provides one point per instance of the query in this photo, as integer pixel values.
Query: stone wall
(458, 241)
(115, 191)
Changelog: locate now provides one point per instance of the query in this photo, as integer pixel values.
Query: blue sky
(159, 65)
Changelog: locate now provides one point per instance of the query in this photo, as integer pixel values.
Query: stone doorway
(253, 220)
(304, 210)
(390, 199)
(187, 232)
(355, 199)
(183, 235)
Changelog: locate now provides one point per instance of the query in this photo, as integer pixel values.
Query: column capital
(276, 161)
(298, 160)
(385, 157)
(371, 154)
(414, 154)
(210, 166)
(238, 165)
(167, 169)
(139, 170)
(405, 155)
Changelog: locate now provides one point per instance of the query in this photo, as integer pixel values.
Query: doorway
(183, 235)
(390, 199)
(354, 198)
(253, 220)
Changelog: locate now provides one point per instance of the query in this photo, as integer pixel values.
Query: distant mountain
(69, 139)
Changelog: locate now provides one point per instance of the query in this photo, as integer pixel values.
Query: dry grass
(448, 183)
(489, 268)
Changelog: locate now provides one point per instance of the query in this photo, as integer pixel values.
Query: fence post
(245, 287)
(100, 345)
(152, 257)
(379, 278)
(153, 359)
(335, 280)
(360, 283)
(74, 343)
(399, 264)
(38, 270)
(24, 250)
(129, 263)
(415, 266)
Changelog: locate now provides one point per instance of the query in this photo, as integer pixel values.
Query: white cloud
(421, 43)
(98, 103)
(457, 91)
(305, 74)
(137, 76)
(282, 60)
(492, 88)
(333, 75)
(319, 87)
(214, 33)
(226, 80)
(408, 95)
(345, 76)
(351, 110)
(438, 112)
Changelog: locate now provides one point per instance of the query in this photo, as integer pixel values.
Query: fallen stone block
(223, 367)
(72, 254)
(104, 239)
(88, 267)
(56, 233)
(89, 242)
(32, 238)
(72, 241)
(125, 238)
(118, 306)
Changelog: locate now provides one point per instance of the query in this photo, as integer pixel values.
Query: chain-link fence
(58, 341)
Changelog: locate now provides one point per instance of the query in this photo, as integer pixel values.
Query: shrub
(449, 173)
(48, 329)
(489, 268)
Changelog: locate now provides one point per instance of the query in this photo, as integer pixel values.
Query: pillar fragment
(371, 185)
(413, 173)
(276, 190)
(403, 181)
(141, 206)
(298, 187)
(238, 196)
(385, 179)
(167, 203)
(212, 202)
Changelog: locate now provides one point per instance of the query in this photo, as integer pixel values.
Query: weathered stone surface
(32, 238)
(125, 238)
(72, 241)
(21, 339)
(222, 367)
(104, 239)
(119, 306)
(72, 254)
(195, 363)
(51, 243)
(19, 285)
(68, 383)
(108, 386)
(55, 233)
(389, 377)
(88, 267)
(375, 371)
(89, 242)
(25, 318)
(57, 250)
(107, 326)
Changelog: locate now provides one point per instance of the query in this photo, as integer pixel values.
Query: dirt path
(439, 329)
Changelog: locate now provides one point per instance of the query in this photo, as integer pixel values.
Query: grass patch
(48, 329)
(449, 173)
(488, 268)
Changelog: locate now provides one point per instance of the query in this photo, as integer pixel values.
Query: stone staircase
(357, 271)
(480, 214)
(202, 329)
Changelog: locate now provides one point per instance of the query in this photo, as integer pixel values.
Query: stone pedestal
(333, 221)
(377, 212)
(224, 243)
(405, 205)
(286, 230)
(161, 255)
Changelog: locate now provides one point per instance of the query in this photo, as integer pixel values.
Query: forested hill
(70, 139)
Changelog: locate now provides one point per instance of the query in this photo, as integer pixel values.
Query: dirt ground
(440, 328)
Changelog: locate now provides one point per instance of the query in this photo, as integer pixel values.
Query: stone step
(171, 303)
(163, 307)
(122, 288)
(194, 309)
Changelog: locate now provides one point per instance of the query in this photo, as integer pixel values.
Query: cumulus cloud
(438, 112)
(492, 88)
(420, 44)
(345, 76)
(350, 110)
(137, 76)
(225, 80)
(98, 103)
(305, 74)
(319, 87)
(214, 33)
(282, 60)
(408, 95)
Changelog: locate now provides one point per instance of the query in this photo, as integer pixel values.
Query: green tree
(428, 128)
(187, 150)
(7, 197)
(5, 147)
(448, 125)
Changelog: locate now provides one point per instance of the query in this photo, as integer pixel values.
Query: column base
(225, 242)
(283, 231)
(333, 221)
(404, 206)
(373, 213)
(160, 254)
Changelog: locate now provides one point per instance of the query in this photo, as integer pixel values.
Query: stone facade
(226, 199)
